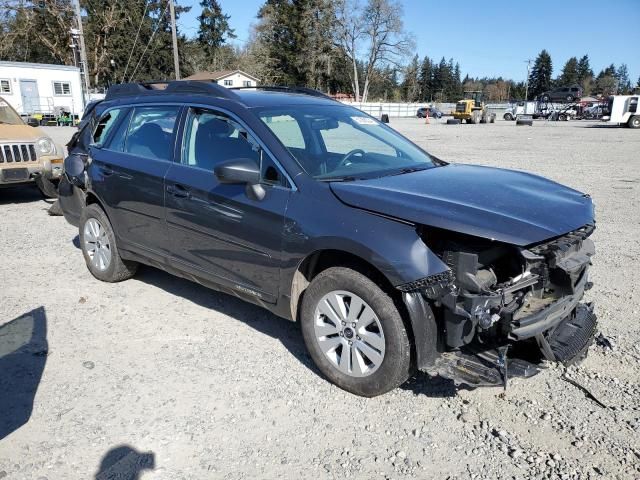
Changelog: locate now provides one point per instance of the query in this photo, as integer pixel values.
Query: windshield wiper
(337, 179)
(402, 171)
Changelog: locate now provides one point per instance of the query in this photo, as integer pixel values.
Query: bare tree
(375, 29)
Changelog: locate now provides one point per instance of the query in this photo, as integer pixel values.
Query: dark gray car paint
(504, 205)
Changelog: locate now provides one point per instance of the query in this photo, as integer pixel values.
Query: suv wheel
(354, 333)
(545, 98)
(570, 98)
(99, 248)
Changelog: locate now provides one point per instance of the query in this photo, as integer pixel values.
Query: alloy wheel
(349, 333)
(96, 244)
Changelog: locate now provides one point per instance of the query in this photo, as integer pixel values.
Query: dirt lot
(162, 376)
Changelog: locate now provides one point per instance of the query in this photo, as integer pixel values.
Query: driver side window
(212, 137)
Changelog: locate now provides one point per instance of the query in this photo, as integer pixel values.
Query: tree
(606, 82)
(584, 69)
(214, 29)
(375, 29)
(624, 84)
(540, 77)
(411, 82)
(425, 79)
(569, 75)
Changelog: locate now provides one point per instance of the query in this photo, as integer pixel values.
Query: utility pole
(84, 65)
(176, 62)
(526, 90)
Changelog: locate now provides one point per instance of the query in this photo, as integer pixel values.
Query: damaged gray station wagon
(391, 259)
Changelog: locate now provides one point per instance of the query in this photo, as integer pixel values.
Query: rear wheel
(355, 333)
(634, 122)
(545, 98)
(507, 116)
(98, 244)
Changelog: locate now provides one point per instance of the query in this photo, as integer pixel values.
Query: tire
(545, 98)
(453, 121)
(524, 122)
(104, 261)
(47, 188)
(562, 117)
(634, 122)
(570, 98)
(492, 118)
(508, 117)
(341, 287)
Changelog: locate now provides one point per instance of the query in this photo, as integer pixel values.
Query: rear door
(218, 231)
(128, 174)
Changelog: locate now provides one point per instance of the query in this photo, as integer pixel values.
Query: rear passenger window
(105, 125)
(119, 137)
(150, 132)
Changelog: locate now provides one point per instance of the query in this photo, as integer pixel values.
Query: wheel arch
(319, 260)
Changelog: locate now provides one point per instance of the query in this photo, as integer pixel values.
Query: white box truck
(623, 110)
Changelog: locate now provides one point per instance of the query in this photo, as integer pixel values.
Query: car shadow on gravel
(19, 194)
(23, 354)
(288, 333)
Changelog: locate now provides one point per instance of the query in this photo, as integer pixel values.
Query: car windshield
(342, 143)
(8, 114)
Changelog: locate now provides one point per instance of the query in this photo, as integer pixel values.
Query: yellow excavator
(473, 109)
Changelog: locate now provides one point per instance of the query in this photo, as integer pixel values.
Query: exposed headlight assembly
(46, 146)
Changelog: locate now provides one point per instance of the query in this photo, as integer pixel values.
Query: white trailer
(520, 108)
(41, 89)
(623, 110)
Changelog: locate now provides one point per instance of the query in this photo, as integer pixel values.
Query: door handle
(178, 191)
(107, 171)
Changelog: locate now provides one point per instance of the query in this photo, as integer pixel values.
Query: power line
(149, 42)
(136, 40)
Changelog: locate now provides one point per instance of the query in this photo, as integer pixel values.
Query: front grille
(18, 152)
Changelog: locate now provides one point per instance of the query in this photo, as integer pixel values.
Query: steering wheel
(347, 157)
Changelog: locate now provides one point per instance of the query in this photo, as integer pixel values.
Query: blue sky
(495, 37)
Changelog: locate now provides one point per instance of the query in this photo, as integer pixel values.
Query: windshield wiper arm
(336, 179)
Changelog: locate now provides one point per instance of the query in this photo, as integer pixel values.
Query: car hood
(505, 205)
(19, 133)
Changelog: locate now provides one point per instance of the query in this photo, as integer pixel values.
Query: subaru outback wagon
(391, 259)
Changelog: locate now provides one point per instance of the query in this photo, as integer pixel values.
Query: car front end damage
(495, 297)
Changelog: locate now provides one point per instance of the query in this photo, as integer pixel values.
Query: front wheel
(354, 333)
(98, 244)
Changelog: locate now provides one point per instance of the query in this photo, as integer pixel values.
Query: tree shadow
(23, 354)
(125, 463)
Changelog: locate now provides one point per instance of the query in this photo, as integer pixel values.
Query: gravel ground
(165, 377)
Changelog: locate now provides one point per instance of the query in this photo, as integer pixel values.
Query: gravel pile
(180, 382)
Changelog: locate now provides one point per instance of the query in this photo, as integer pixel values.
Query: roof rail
(303, 90)
(180, 86)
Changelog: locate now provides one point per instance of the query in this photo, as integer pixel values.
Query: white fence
(377, 109)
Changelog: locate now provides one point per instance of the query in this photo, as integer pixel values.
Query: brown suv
(27, 155)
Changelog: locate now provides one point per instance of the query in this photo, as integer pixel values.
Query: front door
(30, 96)
(219, 231)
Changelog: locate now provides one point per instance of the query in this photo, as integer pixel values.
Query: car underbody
(495, 296)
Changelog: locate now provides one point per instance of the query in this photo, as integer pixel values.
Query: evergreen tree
(426, 80)
(584, 69)
(624, 84)
(540, 77)
(214, 30)
(569, 75)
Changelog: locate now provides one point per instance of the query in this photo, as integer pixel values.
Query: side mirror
(241, 171)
